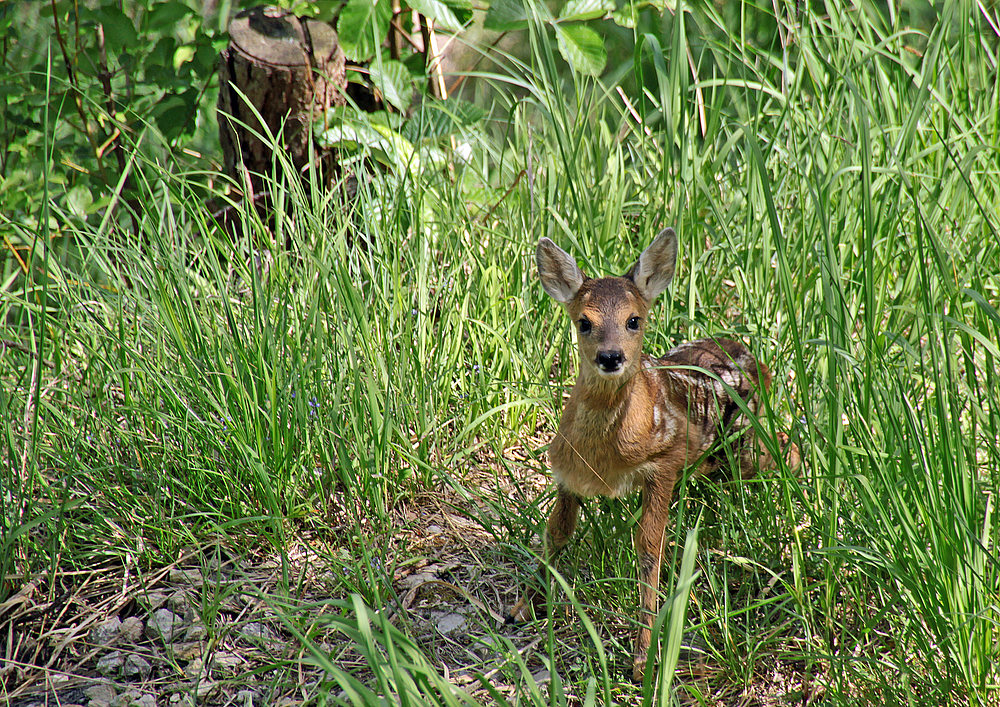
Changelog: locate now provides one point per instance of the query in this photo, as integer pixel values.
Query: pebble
(226, 660)
(247, 698)
(163, 623)
(136, 666)
(105, 634)
(196, 632)
(256, 631)
(131, 629)
(100, 695)
(110, 663)
(450, 622)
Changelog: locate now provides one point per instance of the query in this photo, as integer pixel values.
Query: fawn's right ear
(560, 275)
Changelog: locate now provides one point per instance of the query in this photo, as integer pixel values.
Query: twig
(505, 195)
(433, 57)
(7, 344)
(105, 76)
(395, 31)
(77, 93)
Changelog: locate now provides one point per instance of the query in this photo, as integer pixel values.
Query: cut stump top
(253, 33)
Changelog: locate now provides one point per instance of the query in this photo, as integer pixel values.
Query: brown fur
(633, 421)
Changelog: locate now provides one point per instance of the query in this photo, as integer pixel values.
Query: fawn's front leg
(562, 523)
(656, 496)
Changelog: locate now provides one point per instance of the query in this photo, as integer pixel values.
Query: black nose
(610, 360)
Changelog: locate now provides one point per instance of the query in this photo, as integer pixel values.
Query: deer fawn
(634, 421)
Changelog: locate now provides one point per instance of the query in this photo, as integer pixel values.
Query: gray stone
(134, 698)
(247, 698)
(187, 651)
(136, 666)
(195, 668)
(153, 600)
(489, 648)
(180, 602)
(256, 631)
(189, 577)
(450, 622)
(205, 689)
(163, 623)
(106, 633)
(226, 660)
(100, 695)
(196, 632)
(110, 663)
(101, 691)
(131, 630)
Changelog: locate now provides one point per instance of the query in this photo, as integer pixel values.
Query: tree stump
(291, 70)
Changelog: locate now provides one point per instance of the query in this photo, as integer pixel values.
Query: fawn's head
(609, 312)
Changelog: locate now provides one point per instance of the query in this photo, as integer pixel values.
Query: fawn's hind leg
(562, 523)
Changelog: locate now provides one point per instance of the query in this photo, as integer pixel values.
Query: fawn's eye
(584, 325)
(633, 323)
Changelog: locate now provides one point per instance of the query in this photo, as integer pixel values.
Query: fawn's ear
(560, 275)
(654, 269)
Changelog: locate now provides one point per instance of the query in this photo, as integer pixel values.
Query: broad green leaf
(393, 81)
(362, 26)
(119, 31)
(583, 48)
(386, 145)
(165, 15)
(585, 9)
(462, 9)
(437, 11)
(505, 15)
(79, 199)
(174, 113)
(625, 17)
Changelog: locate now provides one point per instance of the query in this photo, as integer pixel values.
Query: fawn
(634, 421)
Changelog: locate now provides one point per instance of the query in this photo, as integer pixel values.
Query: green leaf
(79, 199)
(362, 26)
(119, 32)
(462, 9)
(505, 15)
(583, 48)
(576, 10)
(393, 80)
(165, 16)
(174, 113)
(625, 17)
(437, 11)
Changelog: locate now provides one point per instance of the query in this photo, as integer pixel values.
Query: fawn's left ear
(654, 269)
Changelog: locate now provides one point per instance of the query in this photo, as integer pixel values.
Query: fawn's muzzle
(610, 361)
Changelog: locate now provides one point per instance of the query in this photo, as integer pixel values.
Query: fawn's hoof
(638, 670)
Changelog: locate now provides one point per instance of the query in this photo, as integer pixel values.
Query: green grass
(169, 386)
